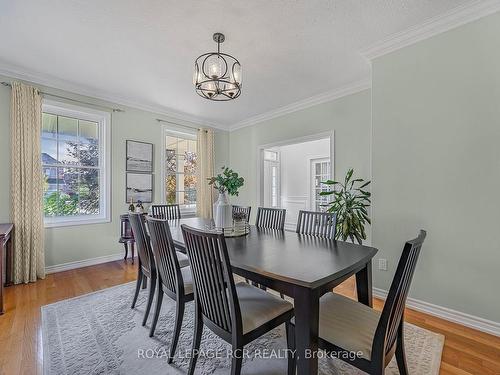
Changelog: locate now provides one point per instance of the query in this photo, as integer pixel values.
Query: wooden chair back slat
(272, 218)
(213, 280)
(142, 242)
(167, 263)
(166, 211)
(320, 224)
(393, 311)
(245, 209)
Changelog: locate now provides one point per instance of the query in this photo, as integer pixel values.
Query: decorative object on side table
(139, 156)
(131, 207)
(350, 203)
(227, 182)
(139, 208)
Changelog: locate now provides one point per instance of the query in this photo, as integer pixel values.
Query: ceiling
(143, 51)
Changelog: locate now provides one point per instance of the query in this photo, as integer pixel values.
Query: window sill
(74, 221)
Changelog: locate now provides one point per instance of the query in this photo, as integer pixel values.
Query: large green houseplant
(350, 202)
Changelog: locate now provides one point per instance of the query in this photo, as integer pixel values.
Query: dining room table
(303, 267)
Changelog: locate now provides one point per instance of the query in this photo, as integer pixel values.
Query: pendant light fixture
(217, 75)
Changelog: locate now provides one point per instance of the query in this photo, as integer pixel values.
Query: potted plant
(227, 183)
(350, 203)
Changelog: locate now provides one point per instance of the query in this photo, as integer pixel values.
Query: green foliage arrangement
(350, 203)
(228, 181)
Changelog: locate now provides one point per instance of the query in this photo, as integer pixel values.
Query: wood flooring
(466, 351)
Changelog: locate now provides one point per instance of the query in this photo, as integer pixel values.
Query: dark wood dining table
(300, 266)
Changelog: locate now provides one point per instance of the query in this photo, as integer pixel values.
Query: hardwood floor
(466, 351)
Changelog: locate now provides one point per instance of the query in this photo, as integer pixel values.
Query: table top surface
(5, 229)
(298, 259)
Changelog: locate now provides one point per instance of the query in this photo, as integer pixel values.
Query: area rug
(99, 333)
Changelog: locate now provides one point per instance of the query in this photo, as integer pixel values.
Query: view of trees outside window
(70, 162)
(180, 164)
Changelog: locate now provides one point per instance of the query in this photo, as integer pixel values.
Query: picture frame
(139, 187)
(139, 156)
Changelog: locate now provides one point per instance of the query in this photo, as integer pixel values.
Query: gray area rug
(99, 333)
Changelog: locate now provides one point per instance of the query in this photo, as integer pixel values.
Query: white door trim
(286, 142)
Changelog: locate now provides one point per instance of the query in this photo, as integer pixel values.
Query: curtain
(206, 160)
(26, 184)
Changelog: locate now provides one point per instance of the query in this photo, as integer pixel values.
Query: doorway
(291, 172)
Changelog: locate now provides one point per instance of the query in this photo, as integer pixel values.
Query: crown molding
(59, 84)
(328, 96)
(456, 17)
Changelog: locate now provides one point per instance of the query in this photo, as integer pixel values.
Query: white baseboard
(446, 313)
(83, 263)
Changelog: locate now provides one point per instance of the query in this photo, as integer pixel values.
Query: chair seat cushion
(188, 280)
(347, 323)
(258, 307)
(183, 259)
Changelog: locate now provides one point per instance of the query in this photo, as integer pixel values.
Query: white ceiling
(143, 51)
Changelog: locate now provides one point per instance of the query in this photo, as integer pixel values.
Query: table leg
(306, 330)
(364, 285)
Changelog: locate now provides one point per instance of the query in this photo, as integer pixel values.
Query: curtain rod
(176, 124)
(70, 99)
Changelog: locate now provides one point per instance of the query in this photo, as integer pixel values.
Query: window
(272, 178)
(74, 162)
(180, 170)
(320, 170)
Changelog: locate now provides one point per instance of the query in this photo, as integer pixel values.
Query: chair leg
(290, 339)
(159, 300)
(198, 330)
(400, 351)
(179, 315)
(237, 360)
(132, 250)
(137, 286)
(152, 288)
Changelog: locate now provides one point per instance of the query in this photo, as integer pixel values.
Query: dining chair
(347, 326)
(319, 224)
(272, 218)
(237, 313)
(245, 209)
(174, 281)
(147, 268)
(166, 211)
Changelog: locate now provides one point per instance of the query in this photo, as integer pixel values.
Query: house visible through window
(180, 170)
(73, 162)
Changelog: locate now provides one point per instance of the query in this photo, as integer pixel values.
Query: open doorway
(291, 173)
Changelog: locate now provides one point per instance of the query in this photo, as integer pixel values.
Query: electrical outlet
(382, 264)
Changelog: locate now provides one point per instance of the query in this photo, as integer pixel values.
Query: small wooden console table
(5, 259)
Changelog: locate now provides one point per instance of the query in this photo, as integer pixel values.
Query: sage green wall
(69, 244)
(436, 164)
(349, 117)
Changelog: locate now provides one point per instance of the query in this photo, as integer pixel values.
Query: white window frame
(104, 121)
(170, 130)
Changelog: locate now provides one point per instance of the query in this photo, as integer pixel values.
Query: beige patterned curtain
(26, 183)
(206, 160)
